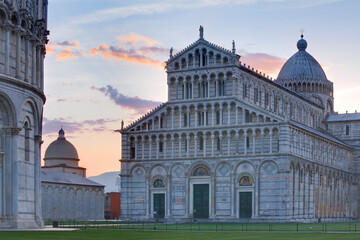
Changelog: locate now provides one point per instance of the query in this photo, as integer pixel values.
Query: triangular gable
(143, 117)
(200, 44)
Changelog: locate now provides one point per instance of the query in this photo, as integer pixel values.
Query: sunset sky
(105, 59)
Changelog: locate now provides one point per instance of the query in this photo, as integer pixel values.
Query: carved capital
(11, 130)
(38, 138)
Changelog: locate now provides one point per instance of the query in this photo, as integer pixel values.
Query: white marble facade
(243, 136)
(67, 196)
(23, 34)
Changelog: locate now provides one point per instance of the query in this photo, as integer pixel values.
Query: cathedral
(231, 143)
(66, 192)
(23, 35)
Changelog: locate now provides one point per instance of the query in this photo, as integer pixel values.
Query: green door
(159, 205)
(245, 204)
(201, 200)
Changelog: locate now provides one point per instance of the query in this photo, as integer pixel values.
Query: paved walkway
(47, 228)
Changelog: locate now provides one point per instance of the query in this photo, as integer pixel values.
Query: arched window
(201, 171)
(161, 146)
(217, 117)
(201, 143)
(245, 90)
(245, 181)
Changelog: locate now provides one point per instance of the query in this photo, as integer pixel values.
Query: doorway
(159, 205)
(245, 204)
(201, 200)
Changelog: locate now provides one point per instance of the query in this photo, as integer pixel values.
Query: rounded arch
(223, 168)
(7, 107)
(177, 169)
(36, 114)
(137, 166)
(198, 164)
(152, 168)
(266, 163)
(235, 169)
(15, 18)
(3, 15)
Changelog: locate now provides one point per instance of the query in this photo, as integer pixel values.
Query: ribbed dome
(302, 67)
(61, 149)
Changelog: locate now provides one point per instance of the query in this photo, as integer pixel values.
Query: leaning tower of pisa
(23, 35)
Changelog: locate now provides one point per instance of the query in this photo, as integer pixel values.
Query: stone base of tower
(21, 223)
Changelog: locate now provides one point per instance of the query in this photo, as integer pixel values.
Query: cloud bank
(141, 106)
(52, 126)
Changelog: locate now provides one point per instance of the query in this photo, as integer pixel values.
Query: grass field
(219, 227)
(174, 235)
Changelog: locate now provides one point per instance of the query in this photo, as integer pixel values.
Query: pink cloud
(263, 62)
(128, 55)
(136, 40)
(68, 54)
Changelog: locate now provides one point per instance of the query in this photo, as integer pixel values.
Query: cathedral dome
(61, 149)
(301, 67)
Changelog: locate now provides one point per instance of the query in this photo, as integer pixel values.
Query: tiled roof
(343, 117)
(66, 178)
(319, 132)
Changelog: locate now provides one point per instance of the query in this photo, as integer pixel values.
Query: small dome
(301, 67)
(61, 149)
(302, 44)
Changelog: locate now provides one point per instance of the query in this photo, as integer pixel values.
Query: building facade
(23, 35)
(112, 205)
(232, 143)
(66, 192)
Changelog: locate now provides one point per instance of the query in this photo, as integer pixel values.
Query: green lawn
(243, 227)
(174, 235)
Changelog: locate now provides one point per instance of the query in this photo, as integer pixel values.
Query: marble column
(157, 146)
(229, 114)
(172, 146)
(150, 143)
(187, 145)
(213, 199)
(236, 115)
(142, 148)
(187, 196)
(195, 145)
(7, 49)
(148, 194)
(204, 139)
(257, 194)
(196, 116)
(245, 140)
(18, 53)
(37, 179)
(229, 143)
(168, 198)
(172, 118)
(221, 115)
(180, 139)
(212, 144)
(237, 142)
(26, 77)
(180, 117)
(212, 115)
(177, 89)
(232, 194)
(253, 141)
(33, 64)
